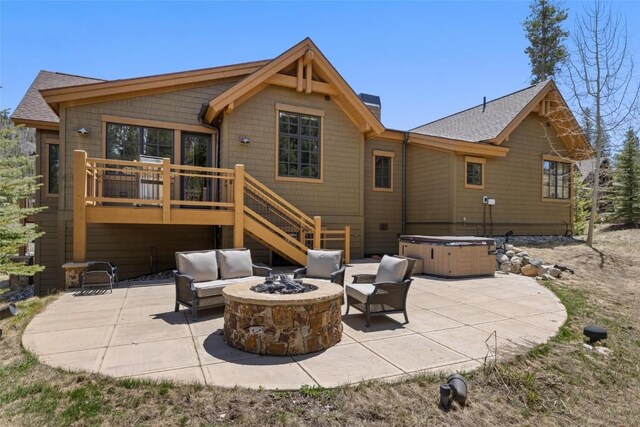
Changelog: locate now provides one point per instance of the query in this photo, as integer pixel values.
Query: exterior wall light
(83, 131)
(245, 140)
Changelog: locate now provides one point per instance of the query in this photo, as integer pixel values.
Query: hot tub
(451, 256)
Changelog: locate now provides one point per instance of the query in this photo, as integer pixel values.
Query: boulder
(516, 259)
(508, 247)
(510, 253)
(515, 267)
(516, 250)
(522, 254)
(529, 270)
(554, 272)
(543, 269)
(505, 267)
(502, 258)
(547, 277)
(535, 262)
(525, 260)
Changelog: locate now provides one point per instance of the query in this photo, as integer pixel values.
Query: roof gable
(313, 73)
(127, 88)
(33, 109)
(493, 121)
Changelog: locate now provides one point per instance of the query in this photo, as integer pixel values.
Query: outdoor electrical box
(491, 202)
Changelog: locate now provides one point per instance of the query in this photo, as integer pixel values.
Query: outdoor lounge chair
(384, 292)
(99, 274)
(201, 276)
(323, 264)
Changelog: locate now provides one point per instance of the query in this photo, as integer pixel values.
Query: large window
(128, 142)
(299, 145)
(556, 180)
(474, 172)
(383, 170)
(53, 168)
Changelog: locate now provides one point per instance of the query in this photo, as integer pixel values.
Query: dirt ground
(558, 383)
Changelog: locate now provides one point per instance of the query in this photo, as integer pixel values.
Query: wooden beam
(79, 206)
(317, 232)
(153, 215)
(300, 76)
(347, 244)
(309, 55)
(308, 81)
(230, 107)
(166, 191)
(238, 198)
(292, 82)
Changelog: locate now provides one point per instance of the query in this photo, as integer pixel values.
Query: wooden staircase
(244, 203)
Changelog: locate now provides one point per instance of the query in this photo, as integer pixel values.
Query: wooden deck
(129, 192)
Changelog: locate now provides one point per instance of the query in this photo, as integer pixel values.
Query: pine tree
(17, 182)
(546, 37)
(626, 185)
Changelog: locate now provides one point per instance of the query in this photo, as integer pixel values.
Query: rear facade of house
(320, 169)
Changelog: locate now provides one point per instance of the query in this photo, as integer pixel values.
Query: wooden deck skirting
(95, 181)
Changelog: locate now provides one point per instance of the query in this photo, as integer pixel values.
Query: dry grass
(557, 383)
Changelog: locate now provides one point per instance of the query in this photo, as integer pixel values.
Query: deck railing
(167, 186)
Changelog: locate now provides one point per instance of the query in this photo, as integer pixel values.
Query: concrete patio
(134, 332)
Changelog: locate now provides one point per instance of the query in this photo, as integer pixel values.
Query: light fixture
(245, 140)
(83, 131)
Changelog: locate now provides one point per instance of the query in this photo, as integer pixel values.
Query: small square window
(474, 172)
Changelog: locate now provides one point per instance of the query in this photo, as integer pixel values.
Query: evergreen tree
(626, 185)
(546, 37)
(17, 182)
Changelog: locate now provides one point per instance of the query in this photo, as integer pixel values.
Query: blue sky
(425, 59)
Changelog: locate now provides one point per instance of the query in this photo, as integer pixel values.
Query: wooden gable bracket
(292, 83)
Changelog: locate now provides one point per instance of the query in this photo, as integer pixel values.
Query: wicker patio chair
(99, 274)
(323, 264)
(374, 297)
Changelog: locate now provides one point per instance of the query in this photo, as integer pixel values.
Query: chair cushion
(321, 264)
(235, 263)
(214, 287)
(202, 266)
(391, 269)
(96, 278)
(359, 291)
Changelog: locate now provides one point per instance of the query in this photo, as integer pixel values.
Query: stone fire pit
(280, 325)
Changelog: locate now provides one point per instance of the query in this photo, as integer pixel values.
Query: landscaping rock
(505, 267)
(515, 267)
(502, 258)
(554, 272)
(508, 246)
(526, 260)
(510, 253)
(547, 277)
(543, 269)
(529, 270)
(516, 250)
(535, 262)
(516, 259)
(522, 254)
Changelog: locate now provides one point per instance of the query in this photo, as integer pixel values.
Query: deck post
(317, 232)
(347, 244)
(238, 198)
(79, 206)
(166, 191)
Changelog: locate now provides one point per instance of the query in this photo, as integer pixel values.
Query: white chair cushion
(214, 287)
(235, 263)
(202, 266)
(360, 291)
(321, 264)
(391, 269)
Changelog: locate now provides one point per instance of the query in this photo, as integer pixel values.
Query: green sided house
(280, 156)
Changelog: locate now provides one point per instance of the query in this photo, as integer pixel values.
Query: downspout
(203, 122)
(405, 142)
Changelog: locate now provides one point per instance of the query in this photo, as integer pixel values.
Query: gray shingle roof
(34, 107)
(474, 125)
